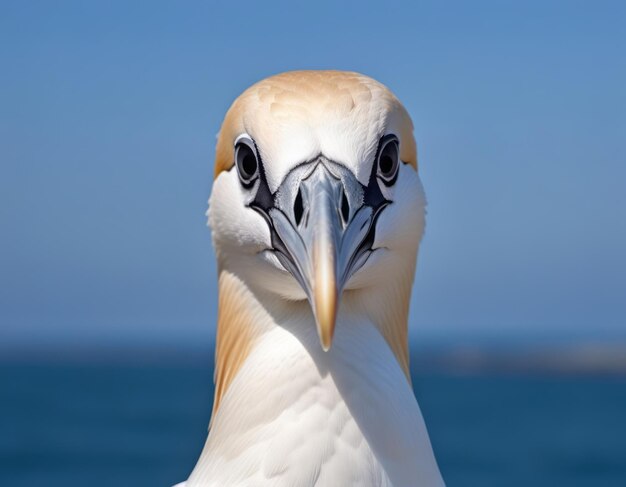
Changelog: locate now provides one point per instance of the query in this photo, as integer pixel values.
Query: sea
(102, 423)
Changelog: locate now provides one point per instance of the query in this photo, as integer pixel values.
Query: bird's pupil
(386, 164)
(248, 164)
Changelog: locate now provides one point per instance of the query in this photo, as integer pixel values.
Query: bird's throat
(279, 394)
(246, 315)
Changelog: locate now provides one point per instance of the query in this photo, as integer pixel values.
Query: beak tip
(326, 341)
(326, 337)
(325, 317)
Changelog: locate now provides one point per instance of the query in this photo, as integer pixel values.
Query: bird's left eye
(246, 161)
(388, 160)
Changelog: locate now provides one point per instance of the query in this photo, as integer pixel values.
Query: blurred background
(108, 118)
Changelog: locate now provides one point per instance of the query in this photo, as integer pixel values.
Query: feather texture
(300, 114)
(295, 415)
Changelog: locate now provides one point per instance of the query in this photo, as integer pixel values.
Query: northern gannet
(317, 212)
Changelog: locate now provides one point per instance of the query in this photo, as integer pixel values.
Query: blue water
(106, 425)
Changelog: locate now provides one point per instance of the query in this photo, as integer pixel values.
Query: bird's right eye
(388, 160)
(246, 161)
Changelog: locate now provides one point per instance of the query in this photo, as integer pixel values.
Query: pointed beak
(323, 246)
(322, 236)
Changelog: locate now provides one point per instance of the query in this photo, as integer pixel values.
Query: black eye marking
(388, 160)
(247, 161)
(250, 170)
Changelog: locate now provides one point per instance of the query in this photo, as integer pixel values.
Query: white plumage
(288, 413)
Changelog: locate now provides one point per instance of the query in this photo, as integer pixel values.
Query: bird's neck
(277, 388)
(246, 315)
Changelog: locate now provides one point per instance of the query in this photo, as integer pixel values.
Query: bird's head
(317, 195)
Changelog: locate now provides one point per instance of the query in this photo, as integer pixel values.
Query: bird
(316, 213)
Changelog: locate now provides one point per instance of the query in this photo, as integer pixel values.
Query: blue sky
(109, 112)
